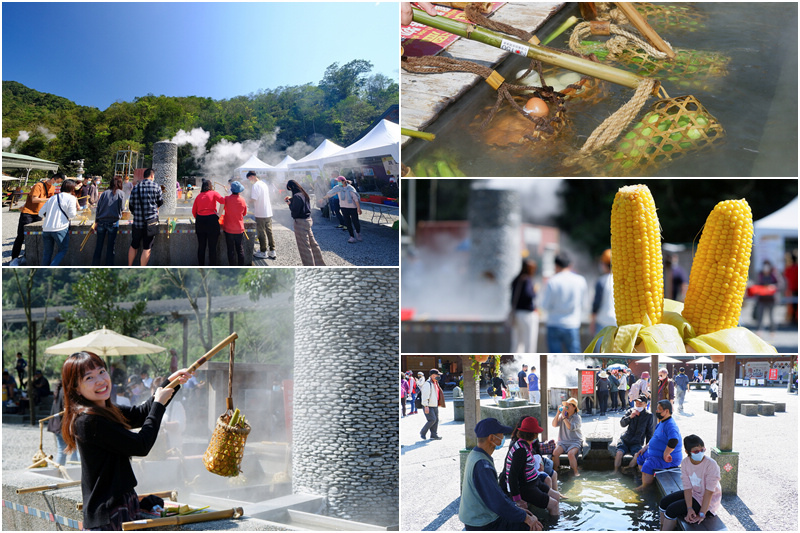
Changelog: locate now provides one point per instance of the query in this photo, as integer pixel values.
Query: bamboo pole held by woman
(518, 47)
(211, 353)
(235, 512)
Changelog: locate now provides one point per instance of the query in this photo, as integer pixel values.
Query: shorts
(568, 446)
(144, 236)
(626, 448)
(651, 463)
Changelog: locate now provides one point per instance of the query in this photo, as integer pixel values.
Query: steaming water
(756, 103)
(602, 501)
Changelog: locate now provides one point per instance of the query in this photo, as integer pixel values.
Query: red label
(587, 382)
(773, 373)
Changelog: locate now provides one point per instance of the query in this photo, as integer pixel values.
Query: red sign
(773, 373)
(587, 381)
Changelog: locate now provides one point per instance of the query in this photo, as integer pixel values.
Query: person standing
(602, 392)
(681, 386)
(641, 386)
(413, 391)
(765, 302)
(563, 300)
(613, 389)
(533, 386)
(300, 208)
(524, 316)
(127, 187)
(92, 191)
(603, 314)
(522, 381)
(484, 506)
(666, 387)
(350, 205)
(109, 211)
(233, 224)
(206, 222)
(146, 198)
(40, 193)
(333, 201)
(57, 213)
(624, 385)
(22, 364)
(54, 427)
(262, 210)
(432, 399)
(403, 393)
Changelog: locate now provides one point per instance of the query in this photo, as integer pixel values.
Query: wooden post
(725, 415)
(472, 402)
(543, 393)
(653, 382)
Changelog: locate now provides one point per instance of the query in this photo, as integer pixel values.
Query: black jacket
(640, 429)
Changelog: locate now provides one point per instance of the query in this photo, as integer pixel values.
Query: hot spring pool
(756, 103)
(603, 501)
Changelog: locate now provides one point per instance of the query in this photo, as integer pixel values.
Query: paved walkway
(768, 464)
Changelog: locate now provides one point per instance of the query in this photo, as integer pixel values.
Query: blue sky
(97, 53)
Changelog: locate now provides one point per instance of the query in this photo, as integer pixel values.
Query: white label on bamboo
(515, 48)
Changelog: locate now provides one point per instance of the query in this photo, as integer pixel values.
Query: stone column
(165, 165)
(494, 221)
(345, 430)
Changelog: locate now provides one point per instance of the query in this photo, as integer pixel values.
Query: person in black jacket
(640, 424)
(101, 432)
(300, 207)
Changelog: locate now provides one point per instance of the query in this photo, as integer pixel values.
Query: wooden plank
(426, 96)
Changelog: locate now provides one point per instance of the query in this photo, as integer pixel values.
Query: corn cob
(636, 248)
(718, 278)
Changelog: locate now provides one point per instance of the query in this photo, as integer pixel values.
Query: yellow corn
(718, 278)
(636, 249)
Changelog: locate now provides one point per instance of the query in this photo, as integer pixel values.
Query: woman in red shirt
(204, 211)
(233, 224)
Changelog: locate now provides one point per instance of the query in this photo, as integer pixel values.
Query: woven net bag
(672, 17)
(224, 454)
(671, 128)
(226, 449)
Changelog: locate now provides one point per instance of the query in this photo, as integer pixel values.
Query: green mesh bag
(671, 128)
(672, 17)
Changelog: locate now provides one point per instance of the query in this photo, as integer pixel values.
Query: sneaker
(358, 237)
(437, 437)
(422, 436)
(271, 254)
(260, 255)
(351, 240)
(340, 226)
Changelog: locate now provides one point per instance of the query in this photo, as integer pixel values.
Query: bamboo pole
(235, 512)
(54, 486)
(38, 463)
(638, 21)
(211, 353)
(418, 134)
(171, 495)
(518, 47)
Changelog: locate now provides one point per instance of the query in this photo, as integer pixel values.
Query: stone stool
(766, 409)
(749, 409)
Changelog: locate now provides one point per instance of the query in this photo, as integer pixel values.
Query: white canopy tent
(281, 170)
(770, 235)
(254, 164)
(313, 162)
(382, 140)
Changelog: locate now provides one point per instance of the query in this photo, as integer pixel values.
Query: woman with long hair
(109, 211)
(100, 430)
(524, 316)
(300, 207)
(206, 225)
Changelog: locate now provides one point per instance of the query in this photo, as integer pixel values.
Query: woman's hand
(163, 394)
(522, 504)
(182, 375)
(691, 516)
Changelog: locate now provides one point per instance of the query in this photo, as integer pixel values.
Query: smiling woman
(101, 432)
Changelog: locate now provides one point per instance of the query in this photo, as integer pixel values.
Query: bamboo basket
(226, 449)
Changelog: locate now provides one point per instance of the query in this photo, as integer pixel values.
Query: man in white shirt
(262, 209)
(563, 300)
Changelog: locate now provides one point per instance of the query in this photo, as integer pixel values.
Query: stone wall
(165, 165)
(345, 431)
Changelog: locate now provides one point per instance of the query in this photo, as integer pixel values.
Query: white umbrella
(700, 361)
(104, 342)
(661, 359)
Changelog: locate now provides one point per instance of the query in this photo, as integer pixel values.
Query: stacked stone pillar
(165, 165)
(344, 430)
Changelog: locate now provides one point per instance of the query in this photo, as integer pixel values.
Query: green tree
(98, 294)
(265, 282)
(340, 82)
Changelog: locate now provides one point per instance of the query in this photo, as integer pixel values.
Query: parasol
(104, 342)
(617, 366)
(661, 359)
(701, 361)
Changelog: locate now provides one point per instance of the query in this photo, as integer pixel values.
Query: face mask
(502, 442)
(640, 409)
(697, 457)
(659, 415)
